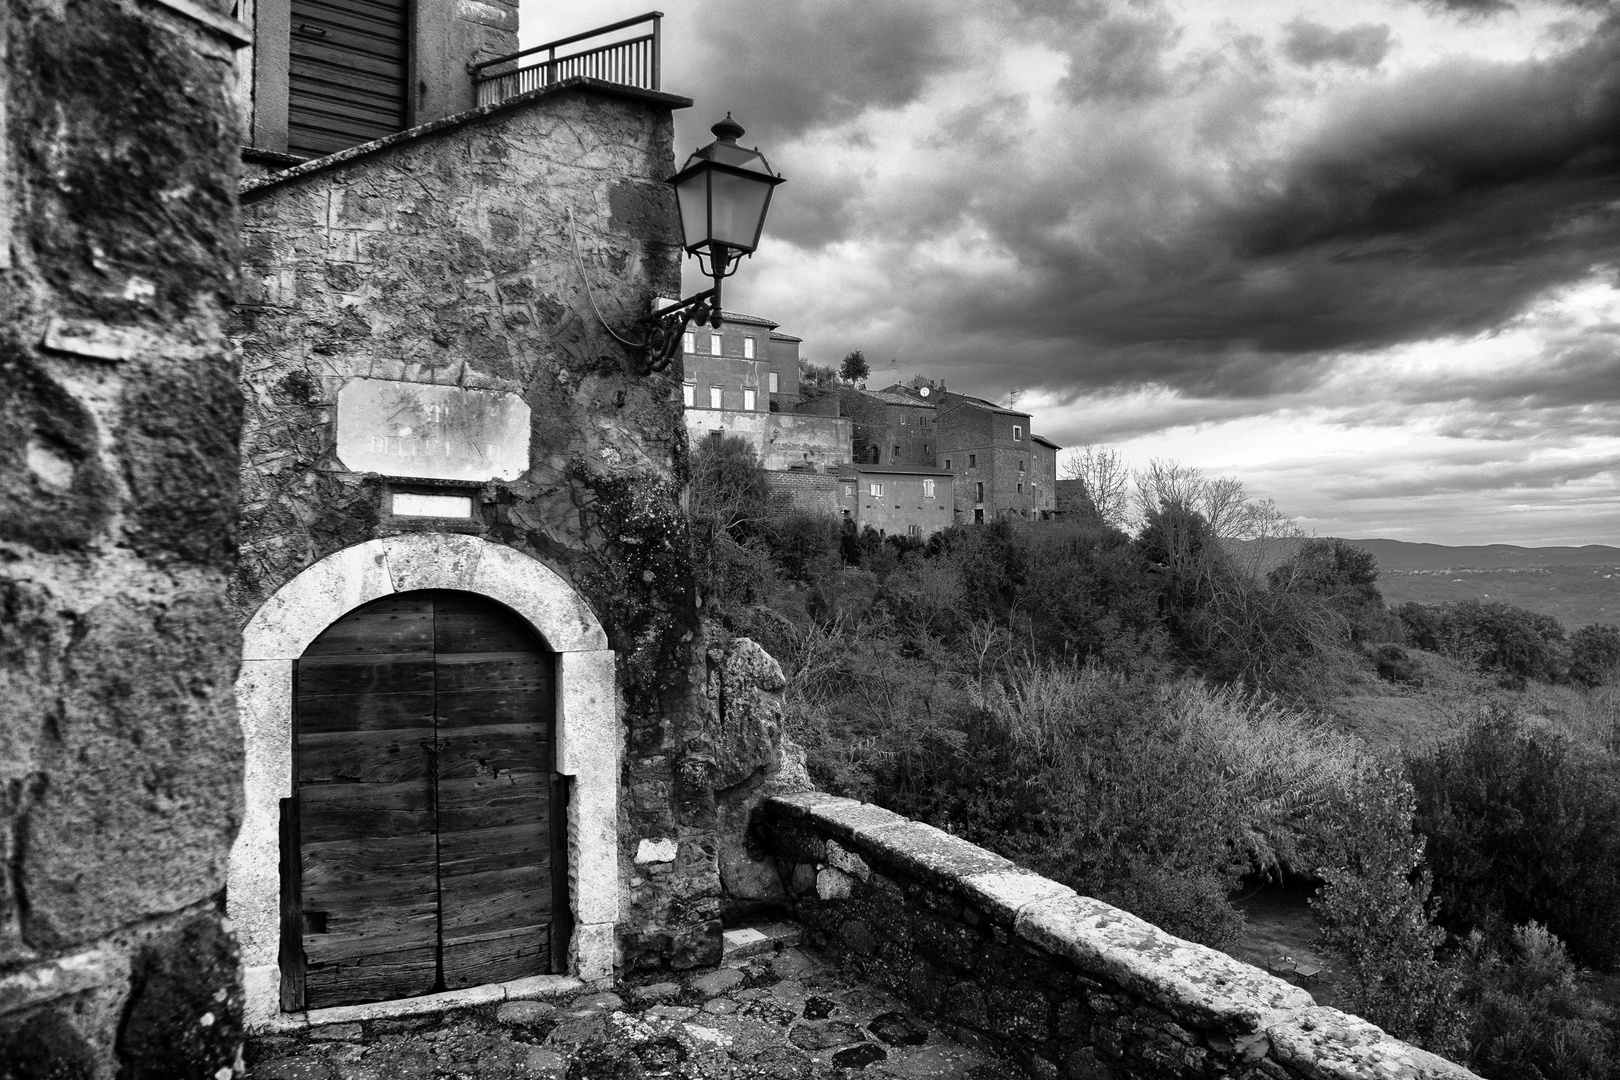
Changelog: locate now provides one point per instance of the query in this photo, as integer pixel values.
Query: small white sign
(433, 432)
(410, 504)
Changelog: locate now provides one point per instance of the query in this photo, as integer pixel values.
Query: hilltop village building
(993, 463)
(741, 380)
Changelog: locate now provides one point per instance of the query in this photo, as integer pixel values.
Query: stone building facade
(893, 426)
(897, 500)
(999, 466)
(120, 755)
(434, 408)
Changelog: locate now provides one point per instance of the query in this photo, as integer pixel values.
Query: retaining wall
(1071, 986)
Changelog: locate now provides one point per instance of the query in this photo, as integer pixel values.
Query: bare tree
(1106, 479)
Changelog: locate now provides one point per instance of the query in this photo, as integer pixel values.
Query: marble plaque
(434, 432)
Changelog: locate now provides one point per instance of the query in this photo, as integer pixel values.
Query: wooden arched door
(423, 849)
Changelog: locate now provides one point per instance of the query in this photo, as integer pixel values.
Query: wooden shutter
(348, 81)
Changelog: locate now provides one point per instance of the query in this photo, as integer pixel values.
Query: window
(1020, 465)
(689, 394)
(714, 344)
(849, 491)
(947, 463)
(748, 398)
(896, 453)
(978, 516)
(913, 530)
(1020, 489)
(689, 342)
(748, 348)
(776, 383)
(1018, 433)
(973, 461)
(877, 491)
(714, 397)
(978, 491)
(928, 489)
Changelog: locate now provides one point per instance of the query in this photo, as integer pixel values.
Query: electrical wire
(579, 260)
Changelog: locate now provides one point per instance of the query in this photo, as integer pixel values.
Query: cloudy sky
(1364, 256)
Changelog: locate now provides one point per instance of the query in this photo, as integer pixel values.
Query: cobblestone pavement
(786, 1015)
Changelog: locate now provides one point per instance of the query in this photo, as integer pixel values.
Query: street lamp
(723, 193)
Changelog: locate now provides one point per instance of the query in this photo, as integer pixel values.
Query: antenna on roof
(1012, 398)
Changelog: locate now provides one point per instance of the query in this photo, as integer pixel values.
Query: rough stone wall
(1068, 985)
(822, 441)
(817, 493)
(120, 756)
(448, 257)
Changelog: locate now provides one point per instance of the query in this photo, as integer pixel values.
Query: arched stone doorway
(424, 847)
(586, 742)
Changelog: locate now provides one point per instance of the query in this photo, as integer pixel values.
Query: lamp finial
(727, 130)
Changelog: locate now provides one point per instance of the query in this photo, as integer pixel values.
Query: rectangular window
(928, 489)
(849, 491)
(978, 491)
(947, 463)
(689, 393)
(913, 530)
(689, 342)
(714, 397)
(1018, 433)
(714, 344)
(1020, 466)
(877, 491)
(897, 453)
(973, 461)
(1020, 489)
(748, 398)
(748, 348)
(776, 383)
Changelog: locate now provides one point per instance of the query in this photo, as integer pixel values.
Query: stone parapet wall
(1071, 986)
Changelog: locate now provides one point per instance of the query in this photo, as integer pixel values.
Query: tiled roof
(1044, 441)
(900, 470)
(740, 317)
(777, 335)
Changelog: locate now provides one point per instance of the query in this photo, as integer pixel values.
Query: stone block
(848, 820)
(1318, 1041)
(1192, 983)
(834, 884)
(1002, 894)
(656, 851)
(929, 854)
(839, 858)
(1018, 1014)
(525, 1013)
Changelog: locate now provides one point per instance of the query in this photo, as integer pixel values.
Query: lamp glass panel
(693, 196)
(739, 210)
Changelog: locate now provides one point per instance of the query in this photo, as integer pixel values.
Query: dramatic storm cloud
(1364, 257)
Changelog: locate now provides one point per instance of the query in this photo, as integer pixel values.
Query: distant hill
(1401, 555)
(1575, 585)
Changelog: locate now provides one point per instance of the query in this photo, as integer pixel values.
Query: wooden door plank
(373, 757)
(366, 673)
(375, 978)
(320, 714)
(515, 954)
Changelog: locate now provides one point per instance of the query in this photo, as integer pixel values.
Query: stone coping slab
(533, 988)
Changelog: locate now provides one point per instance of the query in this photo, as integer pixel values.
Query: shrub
(1530, 1017)
(1594, 654)
(1344, 577)
(1510, 642)
(1523, 828)
(1395, 665)
(1375, 914)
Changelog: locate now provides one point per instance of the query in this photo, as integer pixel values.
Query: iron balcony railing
(631, 61)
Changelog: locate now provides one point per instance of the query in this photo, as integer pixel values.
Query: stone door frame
(588, 735)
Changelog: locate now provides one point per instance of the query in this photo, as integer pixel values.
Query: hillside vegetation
(1149, 719)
